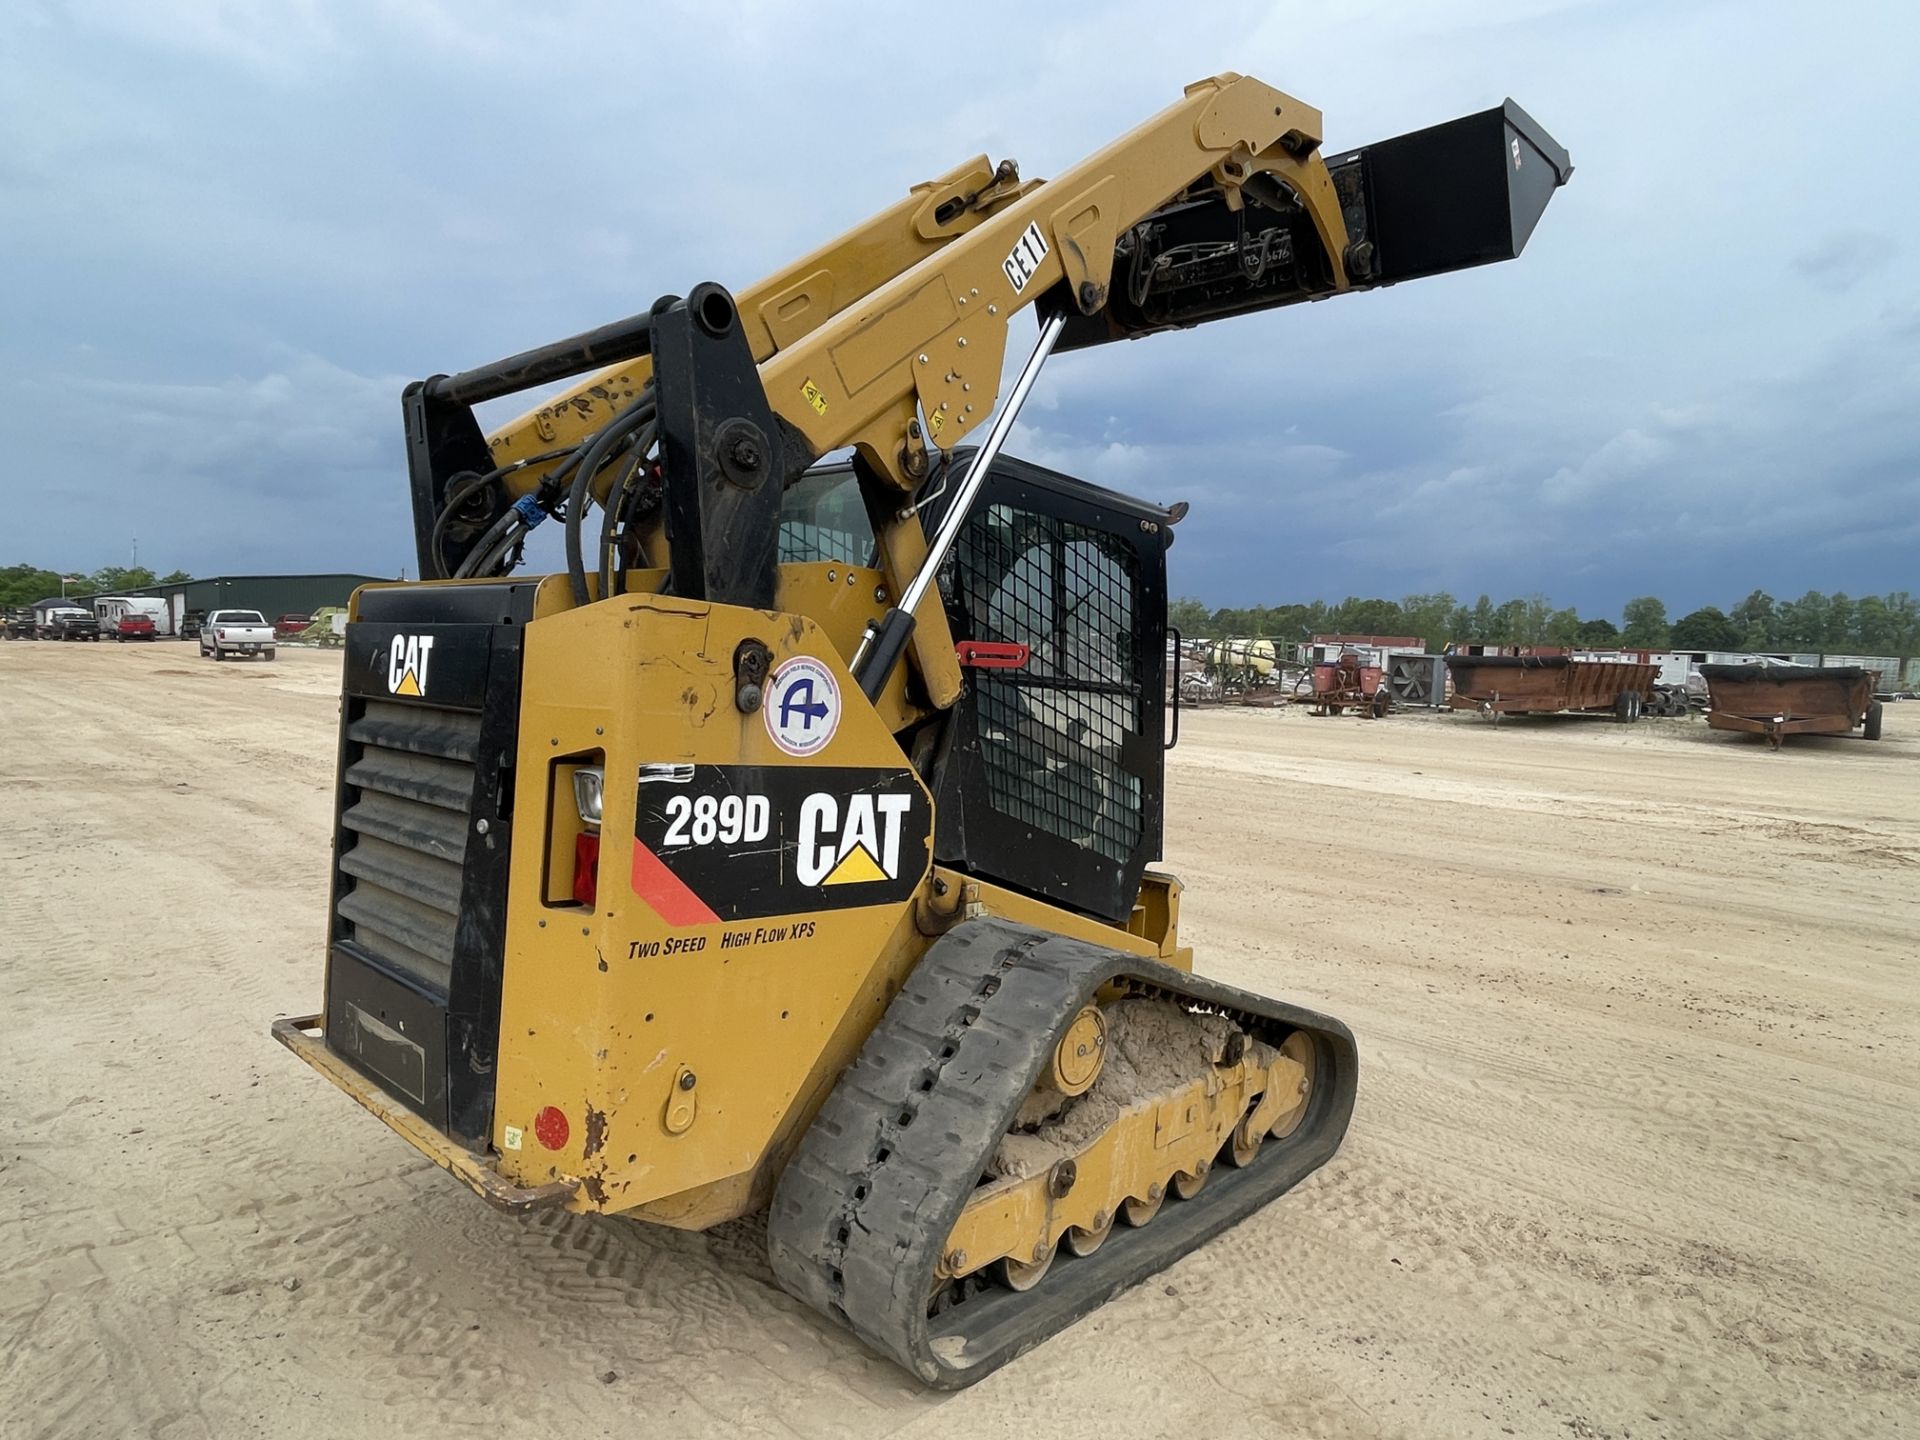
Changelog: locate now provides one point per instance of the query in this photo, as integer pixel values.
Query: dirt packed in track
(1637, 1150)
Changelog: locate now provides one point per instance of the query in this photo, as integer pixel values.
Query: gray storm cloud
(232, 233)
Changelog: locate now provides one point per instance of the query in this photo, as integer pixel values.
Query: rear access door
(422, 834)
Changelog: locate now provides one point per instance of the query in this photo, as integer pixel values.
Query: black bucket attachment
(1464, 193)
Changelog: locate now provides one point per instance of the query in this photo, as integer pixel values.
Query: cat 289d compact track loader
(791, 850)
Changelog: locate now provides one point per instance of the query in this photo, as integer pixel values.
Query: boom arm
(892, 338)
(933, 339)
(444, 441)
(781, 308)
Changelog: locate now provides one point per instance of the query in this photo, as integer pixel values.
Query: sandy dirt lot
(1634, 1152)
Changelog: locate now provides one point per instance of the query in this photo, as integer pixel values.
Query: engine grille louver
(403, 840)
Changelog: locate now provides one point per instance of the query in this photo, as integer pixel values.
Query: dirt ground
(1635, 1152)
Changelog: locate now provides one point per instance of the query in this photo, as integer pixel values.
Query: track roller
(1189, 1184)
(1247, 1138)
(1022, 1276)
(1084, 1240)
(1141, 1212)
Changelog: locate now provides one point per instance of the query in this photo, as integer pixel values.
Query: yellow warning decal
(936, 420)
(811, 392)
(858, 867)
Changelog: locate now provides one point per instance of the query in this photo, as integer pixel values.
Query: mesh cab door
(1050, 776)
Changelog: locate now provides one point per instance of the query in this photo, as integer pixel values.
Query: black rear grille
(423, 837)
(403, 837)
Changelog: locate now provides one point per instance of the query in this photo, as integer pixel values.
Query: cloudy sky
(230, 232)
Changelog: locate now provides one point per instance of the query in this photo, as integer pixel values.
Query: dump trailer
(1496, 685)
(1781, 700)
(794, 848)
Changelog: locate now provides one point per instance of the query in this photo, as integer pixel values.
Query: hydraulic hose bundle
(631, 432)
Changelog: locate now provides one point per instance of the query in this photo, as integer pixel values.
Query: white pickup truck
(236, 632)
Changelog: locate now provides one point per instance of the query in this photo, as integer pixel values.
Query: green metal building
(271, 595)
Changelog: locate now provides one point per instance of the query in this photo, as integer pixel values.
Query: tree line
(24, 584)
(1815, 623)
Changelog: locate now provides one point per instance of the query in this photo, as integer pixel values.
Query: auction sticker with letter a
(802, 706)
(738, 842)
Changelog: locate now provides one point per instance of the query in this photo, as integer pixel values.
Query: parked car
(45, 616)
(73, 624)
(113, 609)
(236, 632)
(133, 626)
(17, 624)
(287, 626)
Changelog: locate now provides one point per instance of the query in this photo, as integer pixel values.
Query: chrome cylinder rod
(955, 517)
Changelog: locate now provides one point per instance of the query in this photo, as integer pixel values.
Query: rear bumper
(304, 1036)
(1793, 725)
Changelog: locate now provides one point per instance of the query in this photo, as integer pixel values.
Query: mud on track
(1635, 1152)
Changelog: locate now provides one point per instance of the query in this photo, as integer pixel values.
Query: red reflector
(586, 867)
(551, 1128)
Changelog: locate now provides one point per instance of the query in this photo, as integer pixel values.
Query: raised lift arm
(891, 339)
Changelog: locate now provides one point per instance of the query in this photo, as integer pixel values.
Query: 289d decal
(736, 842)
(730, 819)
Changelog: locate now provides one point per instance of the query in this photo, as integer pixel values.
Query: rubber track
(879, 1180)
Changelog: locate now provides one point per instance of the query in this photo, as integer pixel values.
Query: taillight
(586, 867)
(219, 634)
(588, 785)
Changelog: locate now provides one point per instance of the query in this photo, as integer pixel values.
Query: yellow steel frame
(689, 1076)
(1176, 1134)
